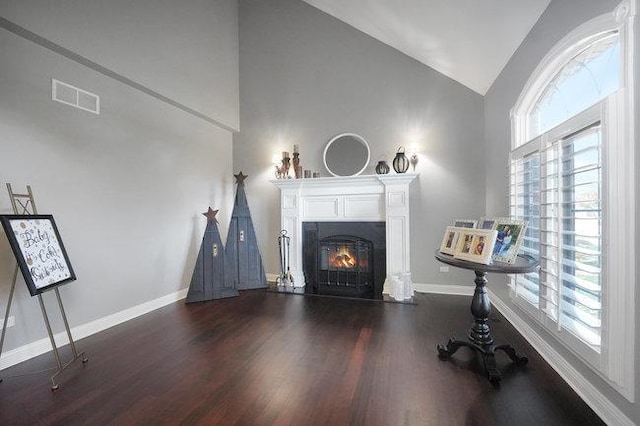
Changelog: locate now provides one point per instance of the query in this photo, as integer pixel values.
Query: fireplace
(344, 258)
(349, 200)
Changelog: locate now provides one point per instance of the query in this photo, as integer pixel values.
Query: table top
(524, 263)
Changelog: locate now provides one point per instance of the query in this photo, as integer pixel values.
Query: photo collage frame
(484, 241)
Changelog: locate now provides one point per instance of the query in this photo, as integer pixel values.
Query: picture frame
(486, 222)
(39, 250)
(450, 240)
(476, 245)
(465, 223)
(510, 234)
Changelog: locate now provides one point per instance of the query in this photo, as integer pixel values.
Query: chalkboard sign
(38, 248)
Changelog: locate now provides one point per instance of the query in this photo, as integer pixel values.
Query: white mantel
(371, 198)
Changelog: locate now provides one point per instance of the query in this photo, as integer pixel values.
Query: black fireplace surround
(344, 258)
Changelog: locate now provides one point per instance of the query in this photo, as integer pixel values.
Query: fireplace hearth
(344, 258)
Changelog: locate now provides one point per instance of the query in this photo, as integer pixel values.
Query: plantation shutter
(524, 204)
(580, 226)
(556, 185)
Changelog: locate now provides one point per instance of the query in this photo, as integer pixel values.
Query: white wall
(126, 187)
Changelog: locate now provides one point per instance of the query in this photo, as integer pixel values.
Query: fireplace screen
(344, 258)
(344, 265)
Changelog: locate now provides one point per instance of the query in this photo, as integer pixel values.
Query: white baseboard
(42, 346)
(603, 407)
(457, 290)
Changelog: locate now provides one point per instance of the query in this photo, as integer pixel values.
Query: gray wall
(559, 19)
(127, 186)
(306, 77)
(186, 50)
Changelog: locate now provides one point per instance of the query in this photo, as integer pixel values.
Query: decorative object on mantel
(297, 169)
(285, 278)
(244, 269)
(346, 154)
(285, 162)
(282, 166)
(400, 162)
(382, 168)
(207, 281)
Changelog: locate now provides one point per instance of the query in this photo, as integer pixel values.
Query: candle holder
(297, 170)
(286, 164)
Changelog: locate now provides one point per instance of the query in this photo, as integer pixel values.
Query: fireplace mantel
(370, 198)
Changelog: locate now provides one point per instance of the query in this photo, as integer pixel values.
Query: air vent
(70, 95)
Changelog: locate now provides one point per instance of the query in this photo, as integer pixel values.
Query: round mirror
(346, 155)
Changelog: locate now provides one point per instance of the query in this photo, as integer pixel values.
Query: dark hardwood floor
(274, 359)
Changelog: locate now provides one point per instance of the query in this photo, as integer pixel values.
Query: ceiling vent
(70, 95)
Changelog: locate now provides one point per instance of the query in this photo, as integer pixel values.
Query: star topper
(240, 178)
(211, 215)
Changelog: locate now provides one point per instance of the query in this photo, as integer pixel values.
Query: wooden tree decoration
(244, 268)
(208, 280)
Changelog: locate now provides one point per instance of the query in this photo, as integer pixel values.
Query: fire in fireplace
(344, 258)
(350, 255)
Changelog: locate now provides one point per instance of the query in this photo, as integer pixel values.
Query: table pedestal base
(480, 335)
(488, 355)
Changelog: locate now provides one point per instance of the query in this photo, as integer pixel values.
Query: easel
(24, 204)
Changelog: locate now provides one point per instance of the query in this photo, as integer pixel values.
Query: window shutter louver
(525, 195)
(556, 187)
(581, 230)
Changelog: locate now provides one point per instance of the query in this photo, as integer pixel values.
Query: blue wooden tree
(208, 279)
(244, 268)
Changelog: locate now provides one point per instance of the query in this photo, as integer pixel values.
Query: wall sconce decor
(414, 157)
(400, 162)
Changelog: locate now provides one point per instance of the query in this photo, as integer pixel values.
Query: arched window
(571, 177)
(590, 76)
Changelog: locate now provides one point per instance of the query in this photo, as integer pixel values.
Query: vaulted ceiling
(468, 40)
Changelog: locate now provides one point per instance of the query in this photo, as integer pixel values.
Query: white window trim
(616, 362)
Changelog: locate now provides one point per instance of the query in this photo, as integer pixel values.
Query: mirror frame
(333, 140)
